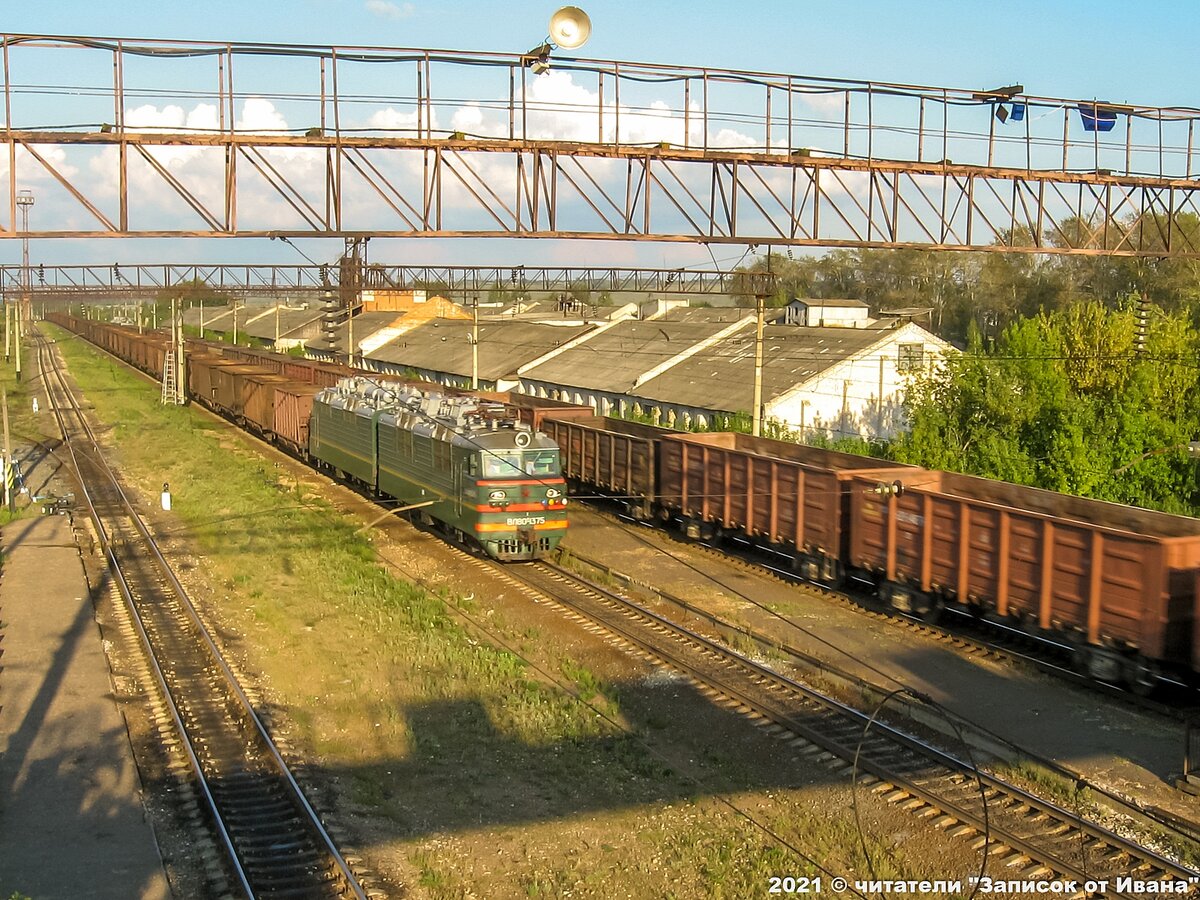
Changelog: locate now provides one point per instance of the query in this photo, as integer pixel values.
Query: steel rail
(628, 608)
(114, 566)
(1150, 815)
(230, 680)
(859, 720)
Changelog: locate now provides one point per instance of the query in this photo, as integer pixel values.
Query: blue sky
(1122, 52)
(1125, 51)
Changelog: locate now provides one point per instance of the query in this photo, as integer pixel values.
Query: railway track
(274, 842)
(981, 639)
(1022, 836)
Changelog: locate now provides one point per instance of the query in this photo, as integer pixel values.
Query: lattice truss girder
(205, 185)
(153, 279)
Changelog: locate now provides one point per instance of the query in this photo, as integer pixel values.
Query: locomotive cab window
(541, 463)
(502, 464)
(514, 463)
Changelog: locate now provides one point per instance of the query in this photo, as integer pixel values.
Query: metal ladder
(171, 394)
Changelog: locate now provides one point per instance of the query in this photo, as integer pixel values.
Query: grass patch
(26, 428)
(305, 587)
(1044, 783)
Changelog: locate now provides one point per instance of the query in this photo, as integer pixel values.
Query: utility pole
(758, 366)
(7, 331)
(475, 344)
(17, 331)
(760, 296)
(181, 354)
(7, 452)
(25, 202)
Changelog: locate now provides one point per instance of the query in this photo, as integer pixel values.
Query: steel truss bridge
(152, 138)
(164, 280)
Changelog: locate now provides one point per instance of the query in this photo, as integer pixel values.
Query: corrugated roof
(722, 376)
(718, 314)
(289, 320)
(442, 346)
(613, 361)
(548, 311)
(220, 319)
(213, 316)
(367, 324)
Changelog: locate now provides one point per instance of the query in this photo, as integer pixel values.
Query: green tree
(1064, 402)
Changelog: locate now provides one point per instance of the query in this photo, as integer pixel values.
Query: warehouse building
(688, 367)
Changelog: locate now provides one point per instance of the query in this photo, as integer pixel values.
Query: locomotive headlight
(552, 493)
(498, 498)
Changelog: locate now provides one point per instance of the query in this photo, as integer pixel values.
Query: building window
(911, 358)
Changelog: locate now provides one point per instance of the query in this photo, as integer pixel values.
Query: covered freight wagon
(1117, 583)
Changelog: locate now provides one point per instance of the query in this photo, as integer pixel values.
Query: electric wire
(972, 767)
(905, 689)
(713, 794)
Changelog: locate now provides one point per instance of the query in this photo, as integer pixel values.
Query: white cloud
(385, 9)
(395, 120)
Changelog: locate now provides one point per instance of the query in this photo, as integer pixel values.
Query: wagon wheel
(933, 612)
(1141, 675)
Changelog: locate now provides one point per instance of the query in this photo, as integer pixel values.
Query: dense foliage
(991, 290)
(1063, 401)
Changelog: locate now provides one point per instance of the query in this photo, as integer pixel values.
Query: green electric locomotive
(466, 463)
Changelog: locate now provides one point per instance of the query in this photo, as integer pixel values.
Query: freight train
(1114, 586)
(1117, 587)
(466, 463)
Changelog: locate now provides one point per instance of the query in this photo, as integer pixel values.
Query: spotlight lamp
(570, 28)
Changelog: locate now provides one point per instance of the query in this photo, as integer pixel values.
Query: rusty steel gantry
(155, 138)
(155, 279)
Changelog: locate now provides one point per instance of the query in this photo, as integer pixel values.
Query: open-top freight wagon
(470, 464)
(1116, 584)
